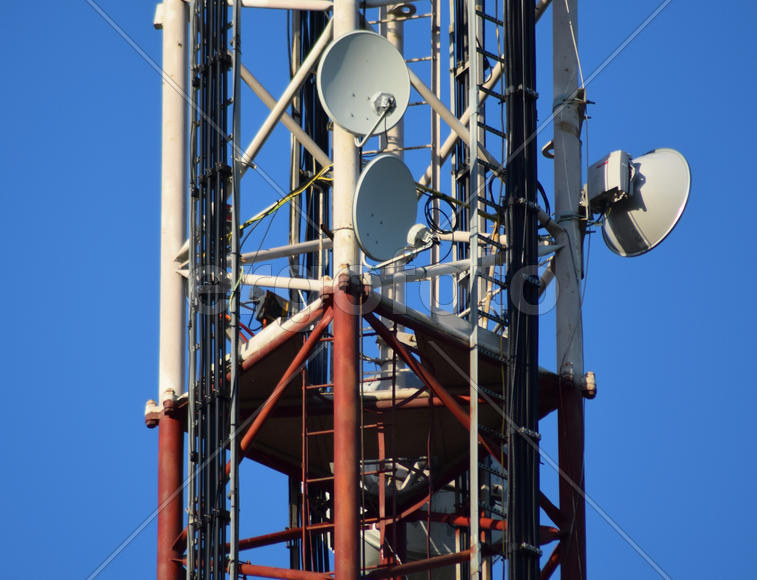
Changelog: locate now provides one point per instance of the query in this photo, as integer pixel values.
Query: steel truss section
(434, 442)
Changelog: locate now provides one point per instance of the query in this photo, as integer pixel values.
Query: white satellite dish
(363, 83)
(660, 184)
(384, 207)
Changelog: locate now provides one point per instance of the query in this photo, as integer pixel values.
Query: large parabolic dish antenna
(660, 187)
(384, 208)
(358, 75)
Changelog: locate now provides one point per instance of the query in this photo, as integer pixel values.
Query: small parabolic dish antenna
(660, 184)
(363, 83)
(384, 207)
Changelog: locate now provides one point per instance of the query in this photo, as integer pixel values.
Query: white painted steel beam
(286, 251)
(173, 215)
(298, 132)
(294, 85)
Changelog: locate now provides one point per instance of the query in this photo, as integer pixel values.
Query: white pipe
(567, 126)
(430, 272)
(547, 276)
(394, 140)
(377, 3)
(462, 237)
(315, 5)
(286, 251)
(286, 283)
(173, 201)
(294, 85)
(298, 132)
(276, 328)
(346, 164)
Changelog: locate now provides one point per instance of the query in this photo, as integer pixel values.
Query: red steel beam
(346, 433)
(552, 511)
(547, 533)
(570, 432)
(258, 571)
(419, 565)
(450, 402)
(282, 536)
(551, 565)
(289, 374)
(170, 496)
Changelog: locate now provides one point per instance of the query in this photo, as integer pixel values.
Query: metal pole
(234, 307)
(568, 271)
(473, 291)
(392, 142)
(345, 258)
(172, 300)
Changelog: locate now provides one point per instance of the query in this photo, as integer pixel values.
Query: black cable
(428, 211)
(547, 207)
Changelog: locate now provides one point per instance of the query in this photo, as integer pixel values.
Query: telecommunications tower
(386, 359)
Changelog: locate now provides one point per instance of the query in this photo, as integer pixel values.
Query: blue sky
(670, 437)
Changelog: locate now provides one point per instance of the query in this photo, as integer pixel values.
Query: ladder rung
(492, 242)
(488, 202)
(489, 17)
(492, 509)
(499, 96)
(489, 166)
(491, 317)
(491, 55)
(317, 433)
(492, 432)
(491, 129)
(484, 467)
(491, 393)
(323, 386)
(488, 278)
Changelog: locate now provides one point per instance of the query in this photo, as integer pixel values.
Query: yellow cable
(287, 198)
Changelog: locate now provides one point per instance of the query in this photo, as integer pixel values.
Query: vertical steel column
(473, 290)
(393, 141)
(172, 304)
(435, 181)
(234, 309)
(345, 258)
(568, 271)
(346, 433)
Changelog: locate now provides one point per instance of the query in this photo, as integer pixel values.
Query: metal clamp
(383, 103)
(535, 435)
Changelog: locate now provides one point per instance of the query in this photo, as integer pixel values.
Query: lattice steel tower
(401, 397)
